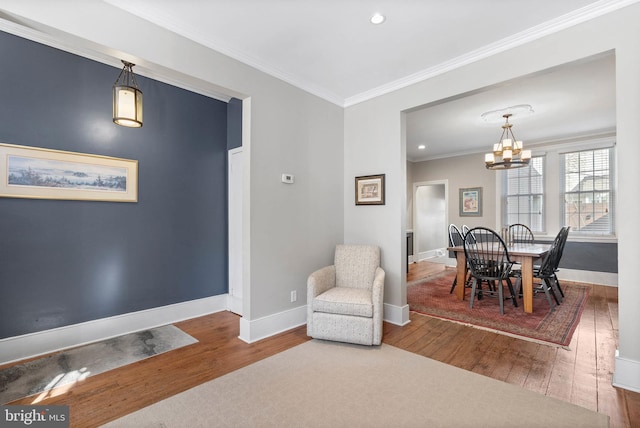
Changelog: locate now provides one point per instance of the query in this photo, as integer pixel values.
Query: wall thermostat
(287, 178)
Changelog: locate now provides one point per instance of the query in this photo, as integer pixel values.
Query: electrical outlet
(294, 296)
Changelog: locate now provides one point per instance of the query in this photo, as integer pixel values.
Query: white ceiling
(571, 101)
(329, 48)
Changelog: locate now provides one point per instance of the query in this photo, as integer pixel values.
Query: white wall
(462, 172)
(290, 230)
(375, 129)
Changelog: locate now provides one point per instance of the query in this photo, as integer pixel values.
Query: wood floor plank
(424, 270)
(489, 363)
(540, 374)
(472, 349)
(584, 386)
(441, 336)
(611, 401)
(523, 359)
(632, 401)
(563, 370)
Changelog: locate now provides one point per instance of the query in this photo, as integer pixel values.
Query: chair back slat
(486, 253)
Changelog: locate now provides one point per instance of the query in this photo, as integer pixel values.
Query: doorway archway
(430, 216)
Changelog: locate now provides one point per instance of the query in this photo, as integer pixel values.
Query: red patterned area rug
(431, 296)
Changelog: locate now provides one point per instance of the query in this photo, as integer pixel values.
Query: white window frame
(505, 196)
(611, 191)
(553, 214)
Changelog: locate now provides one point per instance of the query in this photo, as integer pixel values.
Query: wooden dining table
(525, 254)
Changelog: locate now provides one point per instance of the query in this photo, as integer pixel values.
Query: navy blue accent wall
(590, 256)
(234, 123)
(66, 262)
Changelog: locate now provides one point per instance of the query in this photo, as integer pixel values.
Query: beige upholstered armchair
(344, 300)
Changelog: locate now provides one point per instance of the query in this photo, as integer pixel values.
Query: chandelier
(507, 153)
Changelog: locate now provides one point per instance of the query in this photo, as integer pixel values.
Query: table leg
(461, 265)
(527, 283)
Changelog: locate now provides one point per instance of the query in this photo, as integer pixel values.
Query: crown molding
(563, 22)
(155, 16)
(576, 17)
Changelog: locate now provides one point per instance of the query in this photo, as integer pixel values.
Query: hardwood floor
(423, 270)
(580, 375)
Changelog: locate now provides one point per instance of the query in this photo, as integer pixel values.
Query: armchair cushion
(345, 301)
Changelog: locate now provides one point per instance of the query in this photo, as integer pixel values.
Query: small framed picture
(471, 202)
(370, 190)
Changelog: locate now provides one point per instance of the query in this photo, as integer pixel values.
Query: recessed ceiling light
(422, 147)
(377, 18)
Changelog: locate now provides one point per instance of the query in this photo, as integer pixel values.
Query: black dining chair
(455, 240)
(520, 233)
(488, 261)
(546, 273)
(563, 241)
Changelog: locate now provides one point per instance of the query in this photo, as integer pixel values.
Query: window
(524, 200)
(587, 193)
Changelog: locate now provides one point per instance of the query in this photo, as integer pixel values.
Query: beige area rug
(327, 384)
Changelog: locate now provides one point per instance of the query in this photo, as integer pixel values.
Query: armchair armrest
(378, 304)
(320, 281)
(378, 291)
(317, 283)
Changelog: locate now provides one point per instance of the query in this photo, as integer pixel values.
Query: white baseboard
(432, 254)
(261, 328)
(626, 374)
(43, 342)
(398, 315)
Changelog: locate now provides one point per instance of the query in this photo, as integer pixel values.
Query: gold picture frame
(370, 190)
(38, 173)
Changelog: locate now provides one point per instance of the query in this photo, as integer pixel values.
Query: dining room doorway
(429, 220)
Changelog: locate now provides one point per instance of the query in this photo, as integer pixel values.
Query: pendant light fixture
(508, 152)
(127, 99)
